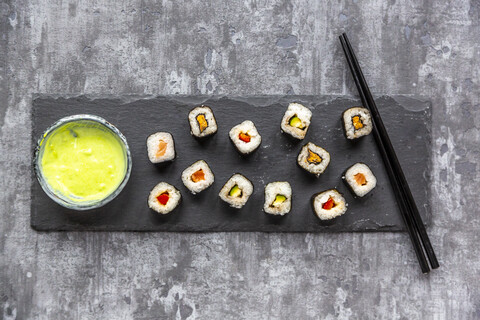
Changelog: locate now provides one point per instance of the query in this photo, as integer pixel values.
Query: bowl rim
(86, 205)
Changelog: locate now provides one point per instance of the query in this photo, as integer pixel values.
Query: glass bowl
(80, 120)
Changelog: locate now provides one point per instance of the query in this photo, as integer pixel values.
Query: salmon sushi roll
(160, 147)
(357, 122)
(202, 122)
(360, 179)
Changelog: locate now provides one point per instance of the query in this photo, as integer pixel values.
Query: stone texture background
(427, 48)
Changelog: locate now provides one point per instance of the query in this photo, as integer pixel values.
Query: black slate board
(407, 120)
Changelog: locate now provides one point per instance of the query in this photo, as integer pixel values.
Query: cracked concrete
(426, 48)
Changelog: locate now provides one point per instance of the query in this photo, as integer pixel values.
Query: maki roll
(197, 177)
(296, 120)
(313, 159)
(357, 122)
(329, 204)
(278, 198)
(236, 191)
(160, 147)
(360, 179)
(245, 137)
(164, 198)
(202, 122)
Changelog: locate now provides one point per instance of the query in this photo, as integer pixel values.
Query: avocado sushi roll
(164, 198)
(296, 120)
(357, 122)
(160, 147)
(245, 137)
(360, 179)
(313, 159)
(278, 198)
(329, 204)
(236, 191)
(197, 177)
(202, 122)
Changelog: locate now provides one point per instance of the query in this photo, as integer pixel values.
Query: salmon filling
(357, 123)
(313, 157)
(360, 179)
(162, 148)
(244, 137)
(329, 204)
(163, 198)
(202, 122)
(198, 176)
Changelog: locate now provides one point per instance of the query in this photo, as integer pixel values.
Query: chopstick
(405, 200)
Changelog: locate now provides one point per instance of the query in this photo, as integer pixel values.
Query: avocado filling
(313, 157)
(279, 199)
(235, 192)
(163, 198)
(357, 122)
(296, 122)
(202, 122)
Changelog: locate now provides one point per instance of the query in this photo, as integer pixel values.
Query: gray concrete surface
(428, 48)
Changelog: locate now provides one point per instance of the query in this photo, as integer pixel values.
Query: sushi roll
(160, 147)
(202, 122)
(236, 191)
(313, 159)
(360, 179)
(357, 122)
(164, 198)
(245, 137)
(197, 177)
(278, 198)
(296, 120)
(329, 204)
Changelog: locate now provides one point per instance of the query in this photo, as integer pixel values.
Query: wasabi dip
(83, 161)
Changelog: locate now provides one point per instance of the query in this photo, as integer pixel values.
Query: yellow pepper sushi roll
(313, 159)
(357, 122)
(202, 122)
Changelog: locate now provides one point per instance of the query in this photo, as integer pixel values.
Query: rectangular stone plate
(407, 120)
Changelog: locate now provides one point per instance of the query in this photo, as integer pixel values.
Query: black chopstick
(403, 194)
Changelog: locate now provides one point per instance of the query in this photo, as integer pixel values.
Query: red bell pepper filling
(163, 198)
(329, 204)
(244, 137)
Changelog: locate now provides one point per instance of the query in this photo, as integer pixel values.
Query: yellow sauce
(83, 163)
